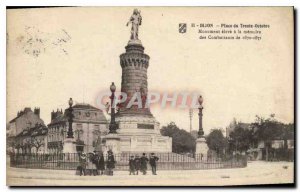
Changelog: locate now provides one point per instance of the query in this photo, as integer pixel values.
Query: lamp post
(201, 145)
(191, 117)
(112, 125)
(70, 119)
(200, 132)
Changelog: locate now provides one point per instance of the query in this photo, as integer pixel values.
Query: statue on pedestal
(135, 20)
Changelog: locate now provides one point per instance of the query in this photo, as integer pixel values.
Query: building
(279, 149)
(32, 140)
(89, 125)
(26, 133)
(25, 119)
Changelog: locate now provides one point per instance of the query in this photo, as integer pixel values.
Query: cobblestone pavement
(257, 172)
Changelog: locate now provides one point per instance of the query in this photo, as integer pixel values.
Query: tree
(267, 130)
(288, 133)
(216, 141)
(240, 139)
(37, 143)
(194, 133)
(182, 141)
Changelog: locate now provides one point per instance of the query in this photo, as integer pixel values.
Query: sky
(57, 53)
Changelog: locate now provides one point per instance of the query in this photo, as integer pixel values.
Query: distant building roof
(21, 113)
(85, 106)
(60, 117)
(37, 130)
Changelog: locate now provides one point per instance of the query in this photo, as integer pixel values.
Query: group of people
(137, 164)
(96, 163)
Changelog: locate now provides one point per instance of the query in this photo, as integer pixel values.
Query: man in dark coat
(99, 161)
(137, 163)
(110, 162)
(153, 160)
(144, 161)
(131, 165)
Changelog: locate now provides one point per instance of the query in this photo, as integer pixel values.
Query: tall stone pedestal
(69, 145)
(138, 130)
(112, 142)
(201, 148)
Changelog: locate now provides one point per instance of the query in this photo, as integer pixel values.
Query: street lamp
(200, 132)
(191, 117)
(70, 119)
(112, 126)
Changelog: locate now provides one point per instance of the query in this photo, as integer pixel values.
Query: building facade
(89, 126)
(31, 140)
(25, 119)
(27, 133)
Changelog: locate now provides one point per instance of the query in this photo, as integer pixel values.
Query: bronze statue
(135, 20)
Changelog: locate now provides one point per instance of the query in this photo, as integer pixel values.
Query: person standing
(144, 161)
(101, 163)
(82, 162)
(95, 161)
(131, 165)
(137, 164)
(153, 160)
(91, 164)
(110, 162)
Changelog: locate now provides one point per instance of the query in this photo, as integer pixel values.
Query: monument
(201, 146)
(138, 131)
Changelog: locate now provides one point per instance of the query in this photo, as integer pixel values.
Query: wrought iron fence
(167, 161)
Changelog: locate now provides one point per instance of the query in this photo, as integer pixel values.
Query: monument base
(112, 142)
(134, 42)
(140, 134)
(201, 148)
(69, 145)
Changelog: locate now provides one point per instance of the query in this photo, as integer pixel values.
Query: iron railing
(167, 161)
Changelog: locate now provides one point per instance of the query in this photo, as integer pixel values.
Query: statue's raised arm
(135, 20)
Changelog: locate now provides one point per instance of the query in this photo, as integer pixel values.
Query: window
(78, 126)
(96, 127)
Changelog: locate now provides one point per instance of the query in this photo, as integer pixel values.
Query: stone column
(134, 63)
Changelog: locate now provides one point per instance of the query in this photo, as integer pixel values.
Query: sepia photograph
(150, 96)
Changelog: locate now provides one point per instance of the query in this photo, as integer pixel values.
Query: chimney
(52, 115)
(37, 111)
(27, 109)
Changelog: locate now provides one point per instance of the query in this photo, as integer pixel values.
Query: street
(257, 172)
